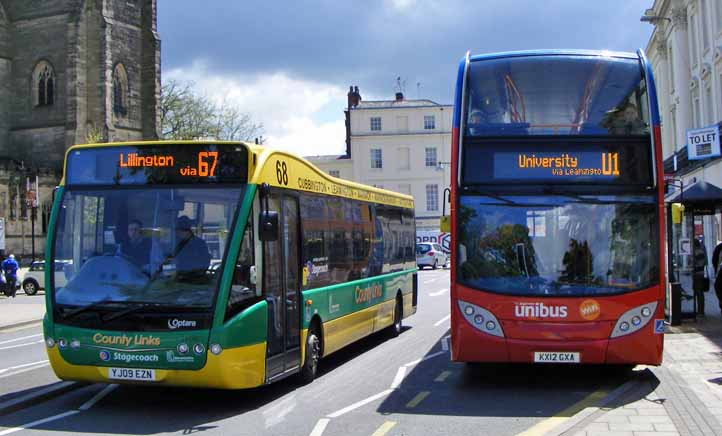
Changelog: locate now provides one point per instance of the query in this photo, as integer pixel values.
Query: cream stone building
(401, 145)
(685, 51)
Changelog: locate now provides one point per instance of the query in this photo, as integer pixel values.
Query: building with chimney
(71, 71)
(401, 145)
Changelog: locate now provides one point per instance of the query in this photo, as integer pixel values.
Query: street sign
(685, 248)
(703, 143)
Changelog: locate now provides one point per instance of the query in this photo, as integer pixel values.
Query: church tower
(71, 72)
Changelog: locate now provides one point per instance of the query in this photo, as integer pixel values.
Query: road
(378, 386)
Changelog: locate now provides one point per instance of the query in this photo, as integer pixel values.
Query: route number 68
(282, 172)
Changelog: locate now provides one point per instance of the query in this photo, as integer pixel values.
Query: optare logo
(180, 323)
(590, 310)
(104, 356)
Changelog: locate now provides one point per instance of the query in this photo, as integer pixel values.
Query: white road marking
(400, 374)
(38, 422)
(277, 413)
(320, 427)
(99, 396)
(442, 320)
(358, 404)
(20, 339)
(22, 345)
(445, 343)
(4, 370)
(436, 294)
(430, 356)
(24, 370)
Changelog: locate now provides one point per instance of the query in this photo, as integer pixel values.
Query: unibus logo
(539, 310)
(589, 310)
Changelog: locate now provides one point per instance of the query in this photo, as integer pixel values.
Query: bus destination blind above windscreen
(624, 164)
(158, 164)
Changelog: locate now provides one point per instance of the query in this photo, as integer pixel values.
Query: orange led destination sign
(559, 162)
(155, 164)
(569, 165)
(206, 167)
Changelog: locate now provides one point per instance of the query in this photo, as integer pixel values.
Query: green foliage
(188, 115)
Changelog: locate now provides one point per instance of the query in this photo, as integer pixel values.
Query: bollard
(676, 304)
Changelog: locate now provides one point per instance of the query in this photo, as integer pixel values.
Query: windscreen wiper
(89, 307)
(137, 306)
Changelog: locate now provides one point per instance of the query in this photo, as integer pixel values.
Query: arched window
(43, 84)
(120, 90)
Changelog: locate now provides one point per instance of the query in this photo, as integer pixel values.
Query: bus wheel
(313, 354)
(397, 326)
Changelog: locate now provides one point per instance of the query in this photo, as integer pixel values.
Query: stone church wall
(41, 39)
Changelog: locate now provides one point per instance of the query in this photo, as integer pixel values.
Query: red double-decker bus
(557, 210)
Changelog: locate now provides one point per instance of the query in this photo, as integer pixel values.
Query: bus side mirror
(268, 221)
(445, 224)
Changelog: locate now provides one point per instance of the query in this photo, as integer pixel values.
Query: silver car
(430, 254)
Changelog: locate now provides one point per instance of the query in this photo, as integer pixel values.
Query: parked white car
(429, 254)
(34, 279)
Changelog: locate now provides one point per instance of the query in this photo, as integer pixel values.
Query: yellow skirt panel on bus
(350, 328)
(347, 329)
(234, 368)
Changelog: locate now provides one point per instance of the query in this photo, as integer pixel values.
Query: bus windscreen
(158, 164)
(556, 95)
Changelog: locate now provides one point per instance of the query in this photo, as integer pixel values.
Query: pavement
(681, 397)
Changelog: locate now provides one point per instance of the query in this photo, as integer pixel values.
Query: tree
(187, 115)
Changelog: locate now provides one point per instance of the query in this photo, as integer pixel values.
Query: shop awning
(699, 194)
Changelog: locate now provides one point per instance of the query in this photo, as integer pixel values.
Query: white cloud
(290, 109)
(401, 5)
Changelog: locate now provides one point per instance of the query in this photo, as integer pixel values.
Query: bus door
(282, 287)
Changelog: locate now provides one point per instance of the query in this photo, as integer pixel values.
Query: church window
(43, 84)
(120, 90)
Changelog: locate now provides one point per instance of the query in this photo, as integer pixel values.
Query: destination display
(158, 164)
(620, 164)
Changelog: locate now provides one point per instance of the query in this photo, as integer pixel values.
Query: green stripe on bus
(342, 299)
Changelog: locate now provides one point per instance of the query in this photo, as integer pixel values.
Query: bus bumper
(235, 368)
(637, 348)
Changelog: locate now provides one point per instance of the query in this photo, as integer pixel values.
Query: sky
(289, 63)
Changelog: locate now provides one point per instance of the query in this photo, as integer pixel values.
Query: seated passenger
(137, 247)
(191, 252)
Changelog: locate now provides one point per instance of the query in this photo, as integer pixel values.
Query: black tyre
(435, 265)
(397, 326)
(30, 287)
(313, 355)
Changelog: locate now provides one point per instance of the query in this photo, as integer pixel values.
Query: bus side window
(243, 287)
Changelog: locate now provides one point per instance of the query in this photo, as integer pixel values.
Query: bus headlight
(216, 349)
(75, 344)
(199, 349)
(50, 342)
(631, 321)
(476, 315)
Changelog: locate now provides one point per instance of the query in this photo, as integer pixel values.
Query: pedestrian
(10, 268)
(700, 277)
(716, 264)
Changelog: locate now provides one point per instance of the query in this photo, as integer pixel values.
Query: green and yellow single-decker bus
(217, 264)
